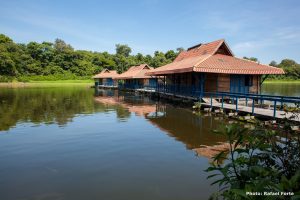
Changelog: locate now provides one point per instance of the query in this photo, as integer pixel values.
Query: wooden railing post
(236, 104)
(274, 113)
(222, 100)
(253, 106)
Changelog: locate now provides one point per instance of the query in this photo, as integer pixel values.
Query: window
(248, 80)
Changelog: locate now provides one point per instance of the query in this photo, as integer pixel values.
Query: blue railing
(107, 84)
(137, 86)
(223, 97)
(278, 101)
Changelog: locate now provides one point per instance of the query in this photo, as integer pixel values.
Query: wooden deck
(257, 111)
(247, 103)
(108, 86)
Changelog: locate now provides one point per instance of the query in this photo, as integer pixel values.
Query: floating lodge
(209, 73)
(106, 78)
(135, 78)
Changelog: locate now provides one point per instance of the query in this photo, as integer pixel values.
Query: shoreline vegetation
(48, 83)
(45, 84)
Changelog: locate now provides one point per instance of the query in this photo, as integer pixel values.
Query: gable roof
(224, 64)
(106, 73)
(135, 72)
(213, 57)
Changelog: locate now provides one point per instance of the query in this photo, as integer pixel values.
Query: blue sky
(266, 29)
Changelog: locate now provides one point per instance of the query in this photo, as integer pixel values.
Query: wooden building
(135, 78)
(106, 78)
(212, 67)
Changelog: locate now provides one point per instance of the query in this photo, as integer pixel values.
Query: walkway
(257, 111)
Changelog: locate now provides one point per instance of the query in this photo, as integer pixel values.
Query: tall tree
(123, 49)
(61, 46)
(273, 63)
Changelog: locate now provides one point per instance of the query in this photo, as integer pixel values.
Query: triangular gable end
(224, 49)
(146, 67)
(105, 71)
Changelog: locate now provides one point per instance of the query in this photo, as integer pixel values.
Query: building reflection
(181, 124)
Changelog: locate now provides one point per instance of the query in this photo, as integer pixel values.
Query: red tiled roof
(107, 74)
(136, 72)
(208, 58)
(139, 110)
(185, 65)
(224, 64)
(202, 50)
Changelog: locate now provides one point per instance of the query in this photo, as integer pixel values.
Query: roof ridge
(199, 62)
(214, 41)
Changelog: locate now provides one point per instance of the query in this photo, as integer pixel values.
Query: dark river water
(73, 143)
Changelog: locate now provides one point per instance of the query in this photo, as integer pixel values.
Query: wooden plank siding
(223, 83)
(211, 82)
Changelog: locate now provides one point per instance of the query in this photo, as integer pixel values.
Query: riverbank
(59, 83)
(89, 82)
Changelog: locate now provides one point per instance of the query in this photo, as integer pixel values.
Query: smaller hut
(106, 78)
(135, 78)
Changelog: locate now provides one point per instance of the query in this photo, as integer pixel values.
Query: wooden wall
(210, 84)
(224, 82)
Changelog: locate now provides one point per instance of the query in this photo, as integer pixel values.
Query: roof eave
(174, 71)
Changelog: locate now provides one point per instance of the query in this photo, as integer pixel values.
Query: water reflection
(139, 105)
(61, 105)
(50, 106)
(56, 105)
(193, 130)
(107, 145)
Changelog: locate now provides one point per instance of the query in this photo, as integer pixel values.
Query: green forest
(59, 61)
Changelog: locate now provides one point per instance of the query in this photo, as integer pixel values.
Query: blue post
(236, 104)
(222, 101)
(246, 101)
(211, 101)
(252, 106)
(274, 114)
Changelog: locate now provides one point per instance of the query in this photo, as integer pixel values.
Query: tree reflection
(48, 105)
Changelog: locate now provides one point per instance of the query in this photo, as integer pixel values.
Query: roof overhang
(173, 71)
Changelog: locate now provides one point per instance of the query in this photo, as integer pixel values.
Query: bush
(54, 77)
(6, 78)
(259, 160)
